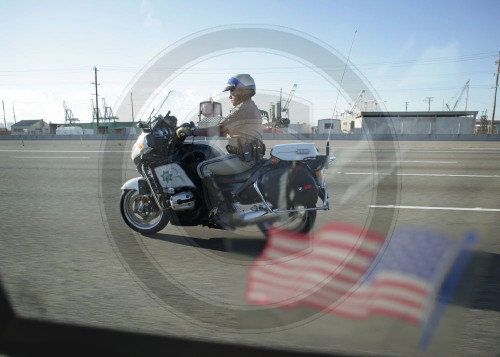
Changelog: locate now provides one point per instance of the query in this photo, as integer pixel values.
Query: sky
(405, 51)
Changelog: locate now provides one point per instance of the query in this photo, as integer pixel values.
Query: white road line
(51, 157)
(66, 151)
(403, 161)
(460, 150)
(476, 209)
(427, 175)
(437, 151)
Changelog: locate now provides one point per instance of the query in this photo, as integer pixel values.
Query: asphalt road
(66, 256)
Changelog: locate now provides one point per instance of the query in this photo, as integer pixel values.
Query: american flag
(314, 269)
(354, 273)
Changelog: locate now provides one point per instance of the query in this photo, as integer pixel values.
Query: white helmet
(241, 81)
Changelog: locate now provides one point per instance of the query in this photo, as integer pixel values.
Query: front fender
(132, 184)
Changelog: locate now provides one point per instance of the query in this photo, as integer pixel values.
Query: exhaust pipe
(255, 217)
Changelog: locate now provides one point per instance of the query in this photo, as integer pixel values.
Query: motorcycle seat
(239, 177)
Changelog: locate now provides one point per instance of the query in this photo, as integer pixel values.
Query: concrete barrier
(295, 137)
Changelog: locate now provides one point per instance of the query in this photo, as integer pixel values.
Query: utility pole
(4, 121)
(14, 112)
(406, 105)
(96, 97)
(278, 107)
(429, 99)
(467, 95)
(495, 97)
(132, 102)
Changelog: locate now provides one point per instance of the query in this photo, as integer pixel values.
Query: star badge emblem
(166, 176)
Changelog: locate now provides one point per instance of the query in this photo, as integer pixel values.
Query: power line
(368, 65)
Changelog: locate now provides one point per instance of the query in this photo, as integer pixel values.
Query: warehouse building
(30, 127)
(431, 122)
(326, 126)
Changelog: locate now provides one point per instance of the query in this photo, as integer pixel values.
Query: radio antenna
(337, 99)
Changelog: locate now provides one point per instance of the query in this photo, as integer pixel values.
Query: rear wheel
(141, 213)
(299, 222)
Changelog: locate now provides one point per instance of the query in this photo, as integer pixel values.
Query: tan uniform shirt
(245, 121)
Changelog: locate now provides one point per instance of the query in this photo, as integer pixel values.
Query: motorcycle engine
(182, 201)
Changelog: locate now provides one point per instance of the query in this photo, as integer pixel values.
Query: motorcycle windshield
(172, 104)
(187, 108)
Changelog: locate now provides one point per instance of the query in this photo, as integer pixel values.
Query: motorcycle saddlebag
(285, 187)
(302, 187)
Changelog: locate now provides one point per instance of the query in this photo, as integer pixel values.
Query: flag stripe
(321, 251)
(271, 286)
(309, 278)
(350, 269)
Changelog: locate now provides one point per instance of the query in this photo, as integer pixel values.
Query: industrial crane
(349, 113)
(68, 115)
(284, 121)
(289, 99)
(275, 114)
(356, 102)
(466, 86)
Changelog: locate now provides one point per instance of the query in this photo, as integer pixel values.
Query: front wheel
(298, 222)
(141, 213)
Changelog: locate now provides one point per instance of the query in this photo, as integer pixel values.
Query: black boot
(217, 200)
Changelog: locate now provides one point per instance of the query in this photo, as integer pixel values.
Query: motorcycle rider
(243, 127)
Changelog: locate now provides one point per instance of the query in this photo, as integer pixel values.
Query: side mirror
(144, 126)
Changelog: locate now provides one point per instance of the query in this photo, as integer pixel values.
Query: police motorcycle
(280, 191)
